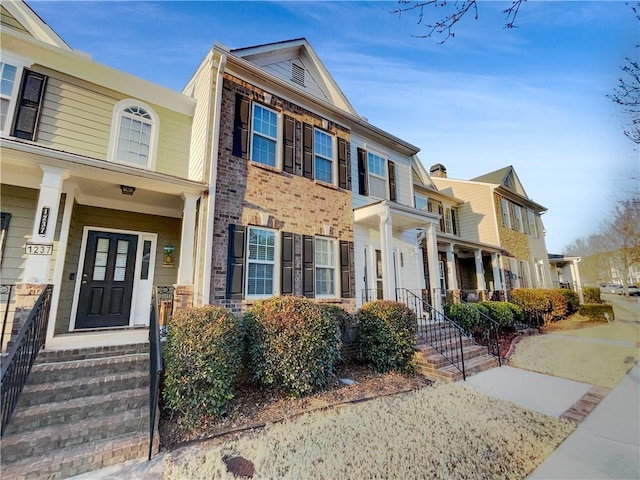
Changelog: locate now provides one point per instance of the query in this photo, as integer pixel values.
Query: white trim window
(448, 221)
(531, 217)
(518, 214)
(8, 93)
(524, 274)
(264, 135)
(325, 266)
(506, 218)
(261, 262)
(134, 134)
(421, 202)
(377, 168)
(324, 156)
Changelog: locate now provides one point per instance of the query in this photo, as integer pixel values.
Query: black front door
(107, 280)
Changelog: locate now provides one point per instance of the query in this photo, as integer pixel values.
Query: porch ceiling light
(127, 190)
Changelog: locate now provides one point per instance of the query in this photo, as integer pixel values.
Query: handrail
(22, 355)
(442, 333)
(5, 289)
(155, 369)
(493, 341)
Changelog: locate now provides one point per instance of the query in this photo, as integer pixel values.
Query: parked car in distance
(609, 288)
(633, 291)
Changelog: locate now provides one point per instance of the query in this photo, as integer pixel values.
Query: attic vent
(297, 74)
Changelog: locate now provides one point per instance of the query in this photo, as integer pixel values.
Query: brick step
(76, 410)
(90, 367)
(45, 440)
(65, 355)
(450, 373)
(433, 357)
(40, 393)
(81, 459)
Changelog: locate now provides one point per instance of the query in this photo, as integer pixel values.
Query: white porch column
(417, 253)
(44, 225)
(575, 276)
(482, 285)
(452, 278)
(434, 267)
(187, 240)
(495, 266)
(386, 246)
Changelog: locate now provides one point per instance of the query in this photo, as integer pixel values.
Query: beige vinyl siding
(167, 229)
(21, 203)
(8, 20)
(283, 71)
(476, 216)
(201, 88)
(76, 118)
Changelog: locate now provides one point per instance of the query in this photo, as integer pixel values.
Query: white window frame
(524, 274)
(332, 159)
(519, 219)
(385, 173)
(275, 262)
(422, 198)
(333, 248)
(276, 140)
(514, 270)
(448, 221)
(114, 137)
(504, 209)
(533, 227)
(19, 63)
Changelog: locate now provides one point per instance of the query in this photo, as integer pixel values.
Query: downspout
(211, 199)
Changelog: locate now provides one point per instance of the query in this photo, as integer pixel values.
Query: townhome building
(97, 195)
(501, 213)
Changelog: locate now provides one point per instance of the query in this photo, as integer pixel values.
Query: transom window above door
(134, 134)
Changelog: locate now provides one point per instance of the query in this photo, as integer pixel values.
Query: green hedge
(572, 299)
(591, 295)
(596, 311)
(464, 314)
(504, 313)
(293, 344)
(203, 357)
(549, 304)
(387, 332)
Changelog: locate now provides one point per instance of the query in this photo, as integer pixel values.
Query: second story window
(531, 217)
(377, 176)
(264, 135)
(323, 150)
(133, 134)
(518, 214)
(8, 88)
(421, 202)
(506, 217)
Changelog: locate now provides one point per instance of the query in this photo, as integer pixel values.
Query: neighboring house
(499, 212)
(566, 273)
(279, 175)
(97, 197)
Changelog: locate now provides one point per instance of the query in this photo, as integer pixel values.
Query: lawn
(446, 431)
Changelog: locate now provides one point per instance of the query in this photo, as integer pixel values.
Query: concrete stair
(434, 365)
(81, 410)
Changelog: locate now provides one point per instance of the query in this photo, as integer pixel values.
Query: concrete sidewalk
(607, 444)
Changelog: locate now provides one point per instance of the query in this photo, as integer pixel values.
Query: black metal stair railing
(435, 328)
(490, 333)
(155, 368)
(16, 366)
(6, 291)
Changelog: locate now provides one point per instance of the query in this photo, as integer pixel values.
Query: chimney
(438, 170)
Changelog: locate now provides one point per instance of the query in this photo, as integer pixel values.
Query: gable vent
(297, 74)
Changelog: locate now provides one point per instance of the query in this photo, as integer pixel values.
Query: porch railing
(371, 294)
(6, 293)
(435, 328)
(22, 355)
(155, 369)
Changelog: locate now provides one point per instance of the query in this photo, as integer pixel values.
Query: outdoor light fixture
(127, 190)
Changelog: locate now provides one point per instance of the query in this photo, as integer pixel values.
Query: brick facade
(252, 194)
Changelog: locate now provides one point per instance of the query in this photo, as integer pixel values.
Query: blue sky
(533, 97)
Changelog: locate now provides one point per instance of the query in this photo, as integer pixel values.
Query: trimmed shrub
(501, 312)
(572, 299)
(387, 332)
(548, 304)
(464, 314)
(596, 311)
(293, 344)
(591, 295)
(203, 357)
(348, 331)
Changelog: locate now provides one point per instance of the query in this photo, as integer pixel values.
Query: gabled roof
(505, 177)
(295, 62)
(17, 15)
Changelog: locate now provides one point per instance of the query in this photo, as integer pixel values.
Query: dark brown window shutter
(343, 164)
(235, 261)
(307, 151)
(308, 266)
(241, 126)
(346, 270)
(441, 213)
(29, 105)
(363, 184)
(288, 163)
(392, 180)
(287, 276)
(454, 221)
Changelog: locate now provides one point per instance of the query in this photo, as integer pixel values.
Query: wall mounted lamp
(127, 190)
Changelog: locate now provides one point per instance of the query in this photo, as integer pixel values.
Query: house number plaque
(39, 249)
(44, 221)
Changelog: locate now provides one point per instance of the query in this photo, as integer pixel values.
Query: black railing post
(155, 369)
(5, 289)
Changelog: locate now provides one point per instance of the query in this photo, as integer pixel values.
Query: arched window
(133, 138)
